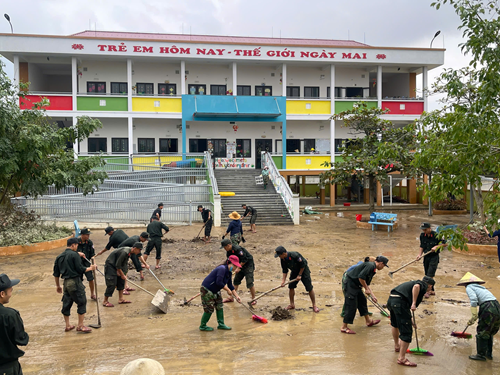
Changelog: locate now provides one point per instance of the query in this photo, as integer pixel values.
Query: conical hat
(143, 366)
(470, 278)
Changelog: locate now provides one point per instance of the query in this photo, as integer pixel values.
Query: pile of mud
(280, 313)
(168, 240)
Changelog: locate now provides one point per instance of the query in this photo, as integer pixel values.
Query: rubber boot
(204, 320)
(482, 346)
(220, 320)
(489, 349)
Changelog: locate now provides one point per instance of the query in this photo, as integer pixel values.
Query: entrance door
(262, 145)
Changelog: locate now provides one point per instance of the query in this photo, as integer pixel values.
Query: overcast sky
(392, 23)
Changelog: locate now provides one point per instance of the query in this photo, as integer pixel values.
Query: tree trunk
(479, 199)
(372, 192)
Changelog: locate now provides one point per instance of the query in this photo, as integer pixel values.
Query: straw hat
(469, 278)
(143, 366)
(234, 215)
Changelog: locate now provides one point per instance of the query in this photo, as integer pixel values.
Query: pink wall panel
(57, 103)
(411, 108)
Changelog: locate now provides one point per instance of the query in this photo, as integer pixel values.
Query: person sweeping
(155, 234)
(488, 316)
(252, 212)
(344, 280)
(235, 229)
(86, 246)
(404, 299)
(208, 222)
(210, 290)
(137, 259)
(246, 270)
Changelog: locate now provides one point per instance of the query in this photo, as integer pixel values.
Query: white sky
(391, 23)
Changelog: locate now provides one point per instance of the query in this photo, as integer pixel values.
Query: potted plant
(450, 206)
(478, 241)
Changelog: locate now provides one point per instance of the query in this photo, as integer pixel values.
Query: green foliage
(33, 152)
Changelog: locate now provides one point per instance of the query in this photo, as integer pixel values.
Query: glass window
(218, 90)
(293, 91)
(97, 145)
(118, 87)
(145, 89)
(244, 90)
(119, 145)
(96, 87)
(311, 92)
(168, 145)
(292, 145)
(309, 144)
(198, 145)
(337, 92)
(354, 92)
(146, 144)
(263, 91)
(197, 89)
(167, 89)
(219, 148)
(243, 148)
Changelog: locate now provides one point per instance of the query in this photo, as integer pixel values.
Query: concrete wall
(395, 85)
(150, 72)
(101, 71)
(38, 81)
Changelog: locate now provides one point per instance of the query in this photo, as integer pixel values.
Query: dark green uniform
(156, 214)
(248, 265)
(87, 248)
(129, 242)
(253, 214)
(12, 335)
(431, 261)
(118, 259)
(116, 239)
(205, 213)
(354, 296)
(399, 304)
(155, 234)
(69, 267)
(295, 262)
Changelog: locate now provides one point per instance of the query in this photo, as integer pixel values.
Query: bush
(18, 227)
(476, 235)
(451, 205)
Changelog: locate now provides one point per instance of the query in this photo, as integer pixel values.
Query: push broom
(257, 318)
(418, 350)
(462, 335)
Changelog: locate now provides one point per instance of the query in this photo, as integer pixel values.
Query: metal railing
(211, 175)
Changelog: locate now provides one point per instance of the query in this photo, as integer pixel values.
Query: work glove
(243, 239)
(223, 237)
(474, 317)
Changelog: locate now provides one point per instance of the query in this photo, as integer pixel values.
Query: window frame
(99, 139)
(218, 87)
(197, 140)
(354, 88)
(197, 86)
(171, 139)
(238, 150)
(121, 139)
(96, 83)
(311, 88)
(338, 93)
(220, 154)
(167, 89)
(147, 140)
(249, 87)
(120, 92)
(289, 90)
(308, 149)
(146, 84)
(257, 87)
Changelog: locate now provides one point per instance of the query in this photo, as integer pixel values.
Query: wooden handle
(140, 287)
(272, 290)
(192, 298)
(407, 264)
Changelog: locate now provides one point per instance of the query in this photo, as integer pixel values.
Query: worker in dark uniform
(247, 267)
(12, 332)
(357, 278)
(344, 280)
(157, 212)
(404, 299)
(136, 258)
(155, 234)
(116, 237)
(208, 221)
(297, 264)
(430, 243)
(235, 229)
(70, 268)
(253, 218)
(86, 246)
(115, 272)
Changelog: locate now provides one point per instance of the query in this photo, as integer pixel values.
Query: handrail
(211, 174)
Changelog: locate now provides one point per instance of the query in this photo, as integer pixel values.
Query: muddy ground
(310, 343)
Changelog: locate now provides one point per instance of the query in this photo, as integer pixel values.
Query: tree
(382, 149)
(33, 152)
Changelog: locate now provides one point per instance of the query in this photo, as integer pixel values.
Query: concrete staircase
(270, 207)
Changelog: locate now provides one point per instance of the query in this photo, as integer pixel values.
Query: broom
(257, 318)
(382, 310)
(462, 335)
(418, 350)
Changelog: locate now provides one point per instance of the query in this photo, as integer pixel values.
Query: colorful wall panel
(404, 107)
(308, 107)
(56, 102)
(345, 105)
(170, 105)
(101, 103)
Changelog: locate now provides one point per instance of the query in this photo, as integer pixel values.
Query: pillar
(379, 194)
(333, 189)
(184, 143)
(379, 86)
(366, 193)
(332, 112)
(424, 88)
(16, 71)
(235, 79)
(283, 80)
(130, 121)
(425, 200)
(303, 186)
(74, 83)
(412, 191)
(183, 78)
(283, 142)
(130, 127)
(75, 142)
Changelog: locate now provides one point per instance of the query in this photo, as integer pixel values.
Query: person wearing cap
(86, 247)
(115, 272)
(12, 332)
(157, 212)
(344, 280)
(208, 222)
(210, 290)
(136, 258)
(494, 234)
(69, 267)
(265, 176)
(235, 229)
(297, 264)
(116, 237)
(246, 270)
(404, 299)
(253, 216)
(360, 277)
(155, 234)
(430, 243)
(489, 315)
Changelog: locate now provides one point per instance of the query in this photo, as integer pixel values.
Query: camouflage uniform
(210, 301)
(489, 320)
(236, 239)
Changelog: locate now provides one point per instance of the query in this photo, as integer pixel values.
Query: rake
(418, 350)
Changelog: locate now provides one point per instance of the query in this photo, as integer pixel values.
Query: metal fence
(211, 175)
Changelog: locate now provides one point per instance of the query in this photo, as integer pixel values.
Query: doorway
(260, 146)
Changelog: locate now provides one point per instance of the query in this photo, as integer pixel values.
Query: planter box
(33, 248)
(482, 250)
(365, 225)
(449, 212)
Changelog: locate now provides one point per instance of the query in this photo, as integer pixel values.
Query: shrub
(451, 204)
(476, 235)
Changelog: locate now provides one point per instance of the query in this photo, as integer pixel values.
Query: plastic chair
(77, 229)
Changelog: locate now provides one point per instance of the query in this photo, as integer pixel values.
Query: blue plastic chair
(77, 229)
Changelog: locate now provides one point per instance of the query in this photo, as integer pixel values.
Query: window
(198, 145)
(292, 145)
(243, 148)
(311, 92)
(263, 91)
(168, 145)
(219, 148)
(146, 144)
(118, 87)
(293, 91)
(309, 144)
(337, 92)
(96, 87)
(243, 90)
(197, 89)
(97, 145)
(218, 90)
(145, 89)
(354, 92)
(119, 145)
(167, 89)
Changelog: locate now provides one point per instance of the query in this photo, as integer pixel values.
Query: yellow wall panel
(306, 161)
(171, 105)
(301, 107)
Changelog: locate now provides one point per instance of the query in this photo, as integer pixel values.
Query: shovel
(407, 264)
(418, 349)
(163, 286)
(160, 300)
(462, 335)
(377, 305)
(269, 291)
(186, 302)
(198, 236)
(98, 325)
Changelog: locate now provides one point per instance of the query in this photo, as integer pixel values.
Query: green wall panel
(341, 106)
(93, 104)
(278, 161)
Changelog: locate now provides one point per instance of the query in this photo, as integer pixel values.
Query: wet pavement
(309, 343)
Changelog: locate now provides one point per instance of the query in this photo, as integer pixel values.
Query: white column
(16, 71)
(130, 136)
(283, 83)
(235, 78)
(332, 112)
(342, 92)
(424, 87)
(379, 86)
(129, 85)
(183, 78)
(74, 82)
(75, 143)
